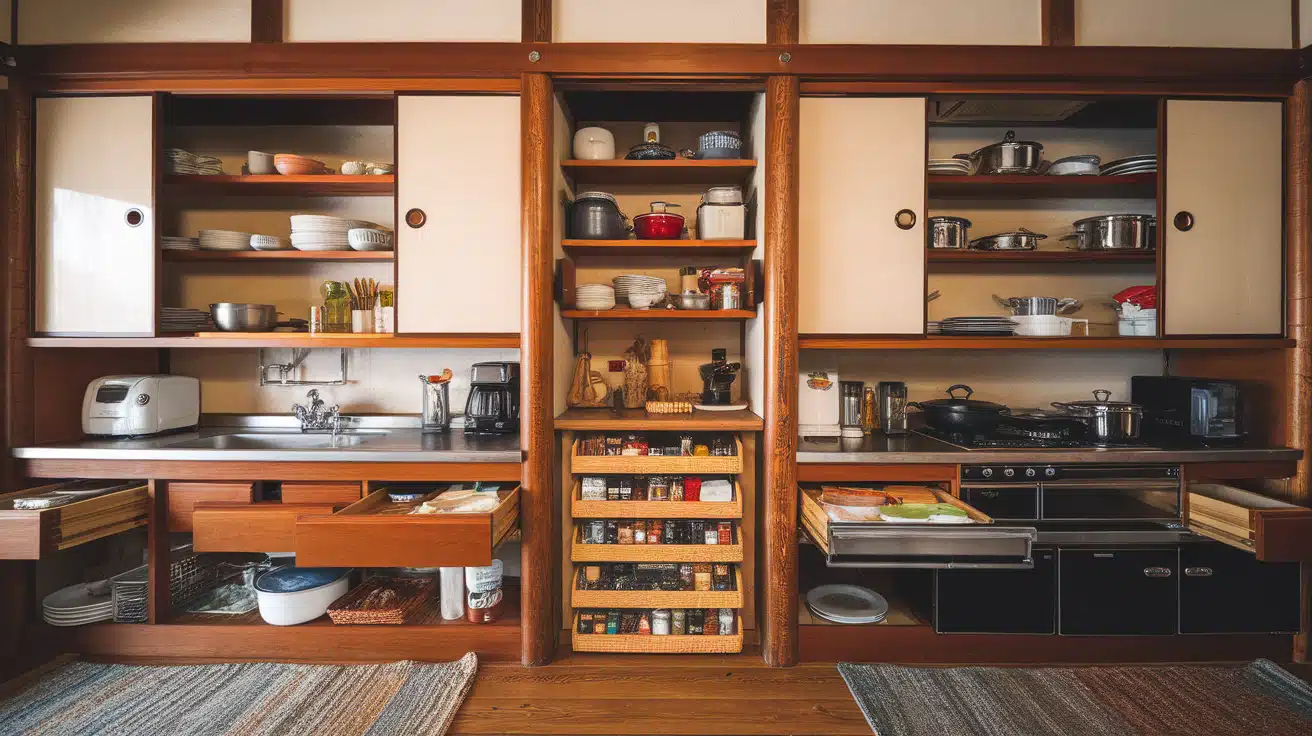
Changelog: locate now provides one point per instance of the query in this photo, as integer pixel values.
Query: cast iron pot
(596, 216)
(961, 415)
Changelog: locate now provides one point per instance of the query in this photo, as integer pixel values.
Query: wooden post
(1298, 262)
(536, 21)
(537, 520)
(1058, 22)
(781, 22)
(266, 21)
(779, 447)
(159, 600)
(18, 384)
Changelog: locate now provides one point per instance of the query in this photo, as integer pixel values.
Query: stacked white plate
(186, 162)
(324, 232)
(949, 166)
(173, 242)
(270, 242)
(637, 284)
(594, 297)
(977, 326)
(225, 240)
(84, 603)
(847, 604)
(1145, 164)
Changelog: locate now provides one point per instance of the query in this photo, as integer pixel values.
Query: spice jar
(678, 622)
(626, 532)
(692, 489)
(639, 532)
(701, 576)
(676, 489)
(727, 621)
(658, 488)
(725, 532)
(585, 622)
(644, 623)
(660, 622)
(712, 618)
(655, 530)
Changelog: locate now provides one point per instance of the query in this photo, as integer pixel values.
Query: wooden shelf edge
(580, 552)
(863, 342)
(291, 340)
(660, 314)
(354, 256)
(187, 185)
(652, 644)
(579, 418)
(678, 163)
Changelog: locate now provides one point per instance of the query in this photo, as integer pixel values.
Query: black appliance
(1227, 591)
(1109, 591)
(493, 405)
(717, 378)
(1069, 503)
(998, 601)
(1189, 408)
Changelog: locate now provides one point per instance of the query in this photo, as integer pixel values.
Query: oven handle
(1032, 486)
(1113, 485)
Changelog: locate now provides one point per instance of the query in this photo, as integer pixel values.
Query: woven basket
(369, 603)
(652, 644)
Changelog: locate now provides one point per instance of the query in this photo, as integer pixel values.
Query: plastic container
(721, 221)
(290, 595)
(452, 592)
(485, 597)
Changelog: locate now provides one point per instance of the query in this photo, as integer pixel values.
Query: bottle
(337, 306)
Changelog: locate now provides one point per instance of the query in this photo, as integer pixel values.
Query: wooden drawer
(657, 464)
(259, 527)
(581, 509)
(314, 492)
(651, 644)
(372, 533)
(27, 534)
(580, 552)
(1273, 530)
(183, 498)
(658, 598)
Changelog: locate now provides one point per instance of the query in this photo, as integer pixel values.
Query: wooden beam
(779, 446)
(536, 20)
(1058, 22)
(1298, 311)
(537, 434)
(266, 21)
(781, 22)
(18, 378)
(159, 600)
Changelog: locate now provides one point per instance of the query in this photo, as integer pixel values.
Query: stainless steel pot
(1107, 421)
(232, 317)
(1009, 156)
(1115, 232)
(1037, 305)
(948, 232)
(1020, 240)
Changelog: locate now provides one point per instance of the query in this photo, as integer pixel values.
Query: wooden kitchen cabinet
(458, 206)
(1223, 228)
(862, 270)
(95, 216)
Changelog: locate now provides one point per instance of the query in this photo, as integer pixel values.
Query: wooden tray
(659, 598)
(657, 465)
(580, 552)
(1273, 530)
(651, 644)
(27, 534)
(581, 509)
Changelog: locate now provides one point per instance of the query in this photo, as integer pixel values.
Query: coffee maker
(493, 405)
(717, 379)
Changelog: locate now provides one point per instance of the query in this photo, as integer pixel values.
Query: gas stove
(1011, 438)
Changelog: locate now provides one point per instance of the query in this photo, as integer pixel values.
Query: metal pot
(1009, 156)
(232, 317)
(1021, 239)
(1082, 165)
(651, 152)
(658, 224)
(1108, 421)
(596, 216)
(1022, 306)
(961, 415)
(948, 232)
(1115, 232)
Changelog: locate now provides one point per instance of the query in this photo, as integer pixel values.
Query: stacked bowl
(639, 291)
(323, 232)
(225, 240)
(594, 297)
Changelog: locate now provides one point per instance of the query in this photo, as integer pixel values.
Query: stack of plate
(636, 284)
(84, 603)
(1145, 164)
(949, 166)
(977, 326)
(323, 232)
(270, 242)
(186, 162)
(847, 604)
(224, 240)
(594, 297)
(178, 319)
(173, 242)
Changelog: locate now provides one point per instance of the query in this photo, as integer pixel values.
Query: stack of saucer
(224, 240)
(1145, 164)
(180, 319)
(84, 603)
(594, 297)
(194, 164)
(949, 166)
(324, 232)
(977, 326)
(172, 242)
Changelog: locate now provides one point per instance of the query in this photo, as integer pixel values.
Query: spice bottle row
(659, 444)
(655, 488)
(660, 622)
(658, 576)
(656, 531)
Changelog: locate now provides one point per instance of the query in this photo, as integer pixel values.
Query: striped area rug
(1245, 700)
(247, 699)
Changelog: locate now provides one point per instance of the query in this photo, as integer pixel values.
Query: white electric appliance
(122, 406)
(818, 402)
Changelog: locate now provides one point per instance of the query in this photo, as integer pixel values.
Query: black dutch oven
(961, 415)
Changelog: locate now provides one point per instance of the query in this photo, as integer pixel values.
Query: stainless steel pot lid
(1113, 218)
(1100, 405)
(1008, 141)
(950, 219)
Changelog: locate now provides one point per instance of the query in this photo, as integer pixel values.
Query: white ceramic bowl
(594, 144)
(261, 163)
(368, 238)
(643, 300)
(289, 609)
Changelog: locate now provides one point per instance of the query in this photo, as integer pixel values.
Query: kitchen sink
(281, 440)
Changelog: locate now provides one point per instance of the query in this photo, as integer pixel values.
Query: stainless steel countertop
(402, 442)
(914, 449)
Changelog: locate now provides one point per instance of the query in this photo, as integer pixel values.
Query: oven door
(1003, 501)
(1110, 500)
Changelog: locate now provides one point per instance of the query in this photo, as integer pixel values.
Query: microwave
(1198, 408)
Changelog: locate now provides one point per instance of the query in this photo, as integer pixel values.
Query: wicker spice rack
(580, 598)
(652, 644)
(580, 552)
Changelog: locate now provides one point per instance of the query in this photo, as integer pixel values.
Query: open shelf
(354, 256)
(1040, 256)
(580, 598)
(660, 314)
(580, 552)
(658, 247)
(1015, 186)
(677, 171)
(900, 613)
(580, 509)
(276, 185)
(283, 340)
(946, 342)
(652, 644)
(657, 464)
(638, 419)
(428, 616)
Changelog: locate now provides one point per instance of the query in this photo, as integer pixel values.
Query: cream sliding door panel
(403, 20)
(95, 274)
(133, 21)
(458, 161)
(1224, 165)
(971, 22)
(1253, 24)
(671, 21)
(862, 161)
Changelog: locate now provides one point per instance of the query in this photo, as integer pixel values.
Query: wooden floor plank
(706, 683)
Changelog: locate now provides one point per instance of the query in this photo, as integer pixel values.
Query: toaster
(128, 406)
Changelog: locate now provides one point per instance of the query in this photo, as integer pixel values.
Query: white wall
(1263, 24)
(994, 22)
(670, 21)
(402, 20)
(133, 21)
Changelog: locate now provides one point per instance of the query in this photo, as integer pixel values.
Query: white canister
(721, 221)
(594, 144)
(362, 321)
(451, 592)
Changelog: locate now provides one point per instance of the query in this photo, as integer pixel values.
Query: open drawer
(878, 543)
(252, 527)
(375, 532)
(1273, 530)
(27, 534)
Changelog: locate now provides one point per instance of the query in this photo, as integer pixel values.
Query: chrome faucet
(318, 417)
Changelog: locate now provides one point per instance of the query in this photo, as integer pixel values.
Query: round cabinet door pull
(1157, 572)
(905, 219)
(1184, 221)
(415, 218)
(134, 217)
(1198, 572)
